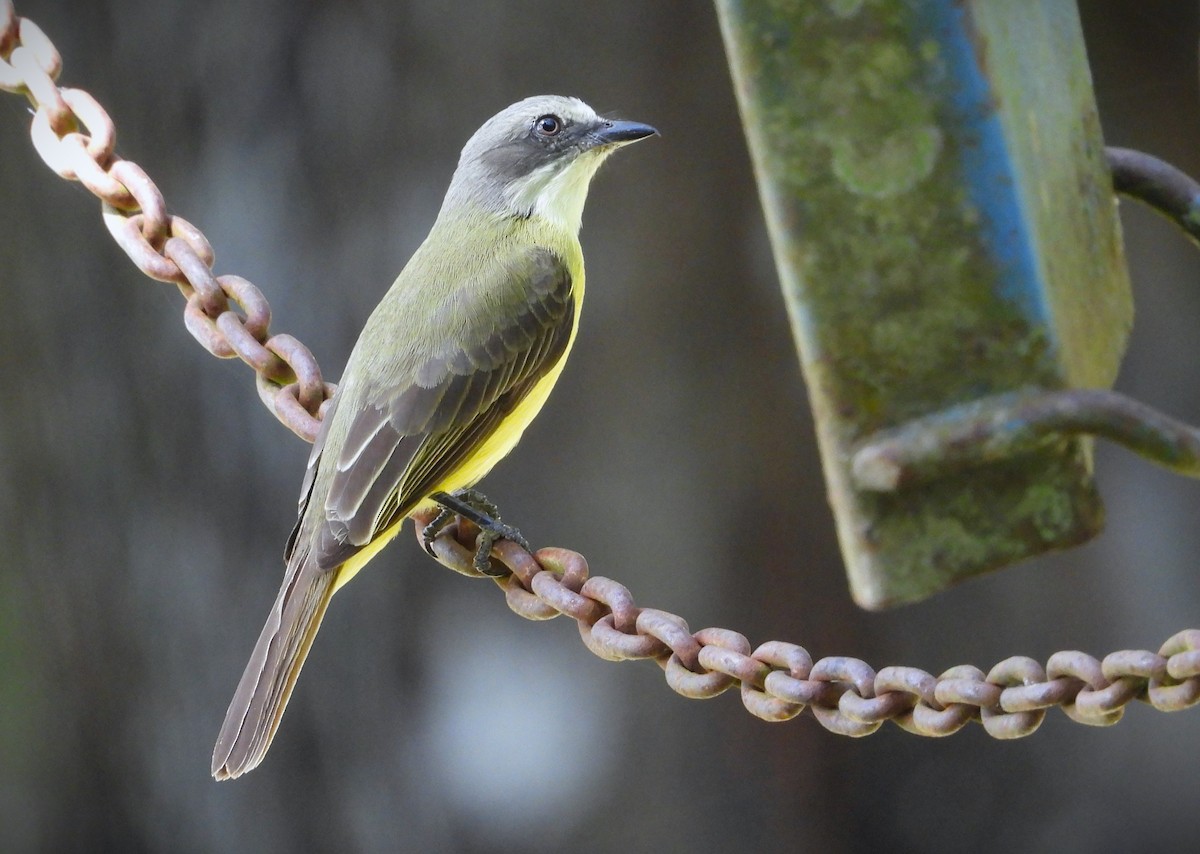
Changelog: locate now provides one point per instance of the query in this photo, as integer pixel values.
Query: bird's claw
(476, 508)
(437, 525)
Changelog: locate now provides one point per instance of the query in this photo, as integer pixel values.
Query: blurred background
(145, 494)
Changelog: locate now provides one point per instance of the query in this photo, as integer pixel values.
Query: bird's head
(537, 158)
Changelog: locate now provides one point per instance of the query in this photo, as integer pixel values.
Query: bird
(451, 367)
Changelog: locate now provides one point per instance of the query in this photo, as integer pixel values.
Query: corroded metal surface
(779, 680)
(959, 439)
(227, 314)
(941, 215)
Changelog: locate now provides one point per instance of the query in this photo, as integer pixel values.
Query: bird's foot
(475, 507)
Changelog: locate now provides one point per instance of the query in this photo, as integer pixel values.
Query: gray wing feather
(397, 451)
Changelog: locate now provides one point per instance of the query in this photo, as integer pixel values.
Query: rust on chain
(229, 316)
(779, 681)
(76, 138)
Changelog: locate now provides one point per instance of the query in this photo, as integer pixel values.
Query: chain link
(228, 315)
(230, 318)
(778, 680)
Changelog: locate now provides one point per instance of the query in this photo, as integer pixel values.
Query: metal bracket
(1005, 426)
(941, 211)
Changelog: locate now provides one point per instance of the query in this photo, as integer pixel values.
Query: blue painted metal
(989, 172)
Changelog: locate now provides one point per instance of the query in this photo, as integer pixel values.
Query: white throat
(557, 193)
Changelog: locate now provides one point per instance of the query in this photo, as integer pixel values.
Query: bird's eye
(548, 125)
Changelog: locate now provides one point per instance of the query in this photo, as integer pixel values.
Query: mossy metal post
(943, 223)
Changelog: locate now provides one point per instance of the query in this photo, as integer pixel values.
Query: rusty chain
(780, 680)
(229, 317)
(227, 314)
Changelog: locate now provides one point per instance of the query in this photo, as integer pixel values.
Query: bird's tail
(263, 693)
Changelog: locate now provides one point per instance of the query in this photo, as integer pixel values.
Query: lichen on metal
(934, 183)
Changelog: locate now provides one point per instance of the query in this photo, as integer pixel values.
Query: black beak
(612, 132)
